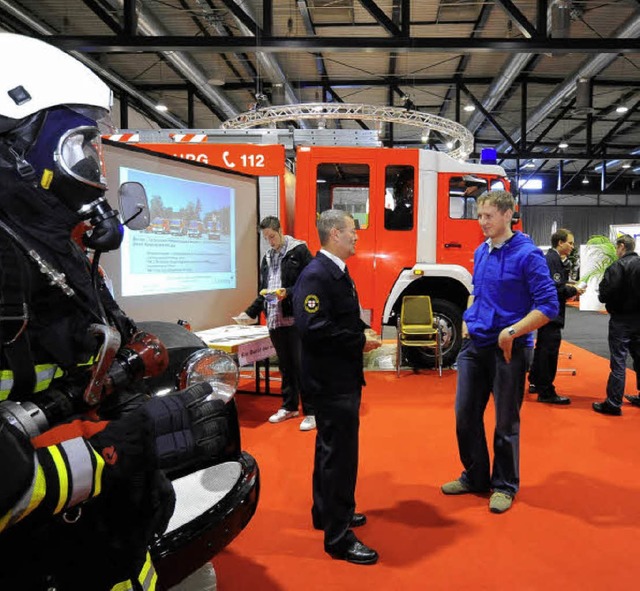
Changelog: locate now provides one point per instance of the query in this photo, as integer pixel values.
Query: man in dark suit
(545, 356)
(327, 315)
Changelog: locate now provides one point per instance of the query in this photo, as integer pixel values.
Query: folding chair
(417, 327)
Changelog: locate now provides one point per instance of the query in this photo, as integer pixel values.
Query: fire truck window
(463, 194)
(456, 207)
(344, 186)
(398, 197)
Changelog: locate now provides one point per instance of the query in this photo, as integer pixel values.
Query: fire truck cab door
(377, 187)
(459, 233)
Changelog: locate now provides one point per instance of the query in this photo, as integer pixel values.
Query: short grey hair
(329, 219)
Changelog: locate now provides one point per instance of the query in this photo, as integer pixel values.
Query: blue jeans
(482, 371)
(624, 338)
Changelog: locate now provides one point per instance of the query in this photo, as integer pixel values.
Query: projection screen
(197, 260)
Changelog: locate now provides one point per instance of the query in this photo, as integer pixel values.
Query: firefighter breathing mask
(66, 159)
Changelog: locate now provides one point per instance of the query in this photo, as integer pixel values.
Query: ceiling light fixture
(585, 181)
(469, 108)
(529, 165)
(563, 145)
(626, 165)
(162, 108)
(621, 109)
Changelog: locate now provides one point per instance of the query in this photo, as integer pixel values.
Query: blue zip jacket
(508, 283)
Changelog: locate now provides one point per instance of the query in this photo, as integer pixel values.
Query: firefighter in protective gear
(80, 503)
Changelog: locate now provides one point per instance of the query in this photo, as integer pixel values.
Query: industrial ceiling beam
(104, 15)
(521, 21)
(383, 20)
(478, 28)
(414, 81)
(488, 115)
(245, 19)
(128, 44)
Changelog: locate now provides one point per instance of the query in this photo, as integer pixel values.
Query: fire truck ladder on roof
(459, 136)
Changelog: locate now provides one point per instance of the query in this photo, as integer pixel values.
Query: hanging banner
(255, 159)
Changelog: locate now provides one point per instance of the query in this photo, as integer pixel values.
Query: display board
(197, 260)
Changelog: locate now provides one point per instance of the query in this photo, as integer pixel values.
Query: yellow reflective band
(44, 382)
(80, 470)
(148, 576)
(97, 480)
(124, 586)
(4, 521)
(63, 477)
(45, 374)
(39, 491)
(29, 500)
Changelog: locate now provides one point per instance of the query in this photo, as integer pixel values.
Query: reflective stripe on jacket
(45, 373)
(147, 579)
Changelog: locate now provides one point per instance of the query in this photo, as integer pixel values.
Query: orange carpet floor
(574, 525)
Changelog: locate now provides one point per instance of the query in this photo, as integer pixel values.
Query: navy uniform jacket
(560, 275)
(327, 315)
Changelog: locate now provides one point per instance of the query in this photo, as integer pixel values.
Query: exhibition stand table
(247, 344)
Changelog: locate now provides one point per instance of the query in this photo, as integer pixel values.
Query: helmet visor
(79, 154)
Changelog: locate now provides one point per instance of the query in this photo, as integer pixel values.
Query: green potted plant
(603, 253)
(596, 256)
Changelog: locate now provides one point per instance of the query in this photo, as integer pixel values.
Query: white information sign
(249, 343)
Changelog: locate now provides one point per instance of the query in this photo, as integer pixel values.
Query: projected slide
(190, 243)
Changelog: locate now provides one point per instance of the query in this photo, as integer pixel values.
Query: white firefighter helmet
(35, 76)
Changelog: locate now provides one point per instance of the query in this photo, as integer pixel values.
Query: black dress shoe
(634, 400)
(357, 553)
(554, 399)
(358, 520)
(606, 408)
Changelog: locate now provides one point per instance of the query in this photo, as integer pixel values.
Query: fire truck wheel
(450, 318)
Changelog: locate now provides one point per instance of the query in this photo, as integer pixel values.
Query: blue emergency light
(488, 156)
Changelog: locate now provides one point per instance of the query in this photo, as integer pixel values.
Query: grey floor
(587, 330)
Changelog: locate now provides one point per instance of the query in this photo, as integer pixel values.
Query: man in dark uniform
(545, 357)
(327, 314)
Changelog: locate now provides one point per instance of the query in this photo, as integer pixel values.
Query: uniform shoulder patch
(311, 303)
(557, 277)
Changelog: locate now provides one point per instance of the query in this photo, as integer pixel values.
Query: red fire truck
(415, 209)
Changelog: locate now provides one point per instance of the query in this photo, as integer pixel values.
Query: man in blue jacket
(513, 295)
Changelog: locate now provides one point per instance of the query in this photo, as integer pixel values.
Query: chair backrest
(416, 309)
